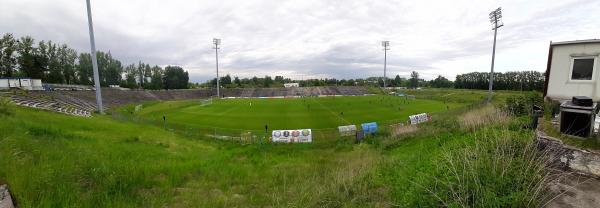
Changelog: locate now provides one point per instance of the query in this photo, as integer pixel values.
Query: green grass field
(54, 160)
(291, 113)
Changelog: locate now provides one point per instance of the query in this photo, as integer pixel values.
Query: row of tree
(522, 80)
(56, 63)
(278, 81)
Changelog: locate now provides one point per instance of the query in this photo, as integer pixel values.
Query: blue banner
(369, 128)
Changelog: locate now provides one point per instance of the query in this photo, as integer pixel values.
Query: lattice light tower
(217, 42)
(496, 20)
(94, 61)
(386, 47)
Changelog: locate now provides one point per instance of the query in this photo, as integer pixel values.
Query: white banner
(298, 135)
(349, 130)
(419, 118)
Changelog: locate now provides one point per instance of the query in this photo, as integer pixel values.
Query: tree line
(60, 64)
(521, 80)
(229, 81)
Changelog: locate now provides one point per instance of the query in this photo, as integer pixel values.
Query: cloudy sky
(311, 38)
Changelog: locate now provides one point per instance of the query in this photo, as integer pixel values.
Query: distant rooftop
(575, 42)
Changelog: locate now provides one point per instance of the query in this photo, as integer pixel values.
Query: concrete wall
(560, 85)
(583, 161)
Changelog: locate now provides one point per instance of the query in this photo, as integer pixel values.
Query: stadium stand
(247, 92)
(83, 102)
(47, 104)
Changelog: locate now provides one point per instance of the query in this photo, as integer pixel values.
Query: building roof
(575, 42)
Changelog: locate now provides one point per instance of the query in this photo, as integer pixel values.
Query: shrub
(6, 107)
(522, 105)
(551, 108)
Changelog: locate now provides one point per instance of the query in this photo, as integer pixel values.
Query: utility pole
(386, 45)
(495, 17)
(141, 72)
(217, 42)
(94, 60)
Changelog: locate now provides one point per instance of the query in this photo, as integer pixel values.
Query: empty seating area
(83, 102)
(294, 91)
(47, 103)
(350, 90)
(247, 92)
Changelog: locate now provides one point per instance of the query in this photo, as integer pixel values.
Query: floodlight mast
(217, 42)
(386, 45)
(496, 20)
(94, 60)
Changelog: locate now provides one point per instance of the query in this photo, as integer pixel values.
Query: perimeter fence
(249, 136)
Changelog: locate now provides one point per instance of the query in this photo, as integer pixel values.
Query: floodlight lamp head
(495, 14)
(216, 41)
(385, 43)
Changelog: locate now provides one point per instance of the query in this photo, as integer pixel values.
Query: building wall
(36, 84)
(291, 85)
(3, 83)
(13, 82)
(560, 85)
(26, 84)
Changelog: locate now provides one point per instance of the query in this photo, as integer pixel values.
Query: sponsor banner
(419, 118)
(349, 130)
(297, 135)
(369, 128)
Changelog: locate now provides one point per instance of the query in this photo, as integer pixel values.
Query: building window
(582, 68)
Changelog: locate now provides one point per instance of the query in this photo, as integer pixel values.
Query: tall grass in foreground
(483, 116)
(500, 168)
(494, 172)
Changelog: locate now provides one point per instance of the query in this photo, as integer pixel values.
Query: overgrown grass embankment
(465, 157)
(56, 160)
(482, 159)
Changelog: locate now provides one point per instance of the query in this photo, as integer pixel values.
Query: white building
(572, 70)
(287, 85)
(21, 83)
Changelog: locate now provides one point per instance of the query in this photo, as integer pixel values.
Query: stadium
(293, 103)
(228, 148)
(240, 111)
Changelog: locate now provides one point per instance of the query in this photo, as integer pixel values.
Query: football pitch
(290, 113)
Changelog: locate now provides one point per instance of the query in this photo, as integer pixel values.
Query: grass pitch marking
(335, 114)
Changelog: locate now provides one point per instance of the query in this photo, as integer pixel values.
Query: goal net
(205, 102)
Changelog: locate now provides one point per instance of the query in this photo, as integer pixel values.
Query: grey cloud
(337, 38)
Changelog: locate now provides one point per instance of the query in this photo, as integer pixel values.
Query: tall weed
(6, 107)
(500, 169)
(481, 117)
